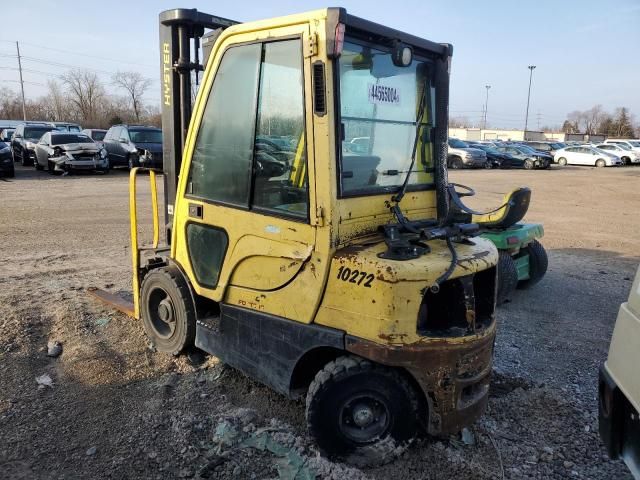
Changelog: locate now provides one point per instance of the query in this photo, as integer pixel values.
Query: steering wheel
(468, 191)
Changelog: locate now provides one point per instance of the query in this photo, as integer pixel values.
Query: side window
(222, 158)
(124, 134)
(280, 182)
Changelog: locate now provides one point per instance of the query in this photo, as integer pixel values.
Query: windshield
(525, 148)
(557, 146)
(36, 132)
(455, 143)
(379, 103)
(145, 136)
(69, 138)
(635, 143)
(98, 135)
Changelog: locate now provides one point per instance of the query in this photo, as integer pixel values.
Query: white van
(619, 386)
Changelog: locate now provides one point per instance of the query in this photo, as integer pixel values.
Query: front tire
(360, 412)
(529, 164)
(507, 277)
(538, 264)
(562, 162)
(626, 161)
(167, 310)
(36, 164)
(456, 163)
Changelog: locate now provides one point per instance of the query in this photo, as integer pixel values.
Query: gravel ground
(116, 409)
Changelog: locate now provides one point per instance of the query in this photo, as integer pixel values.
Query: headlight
(103, 153)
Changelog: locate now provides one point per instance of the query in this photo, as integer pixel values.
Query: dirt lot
(118, 410)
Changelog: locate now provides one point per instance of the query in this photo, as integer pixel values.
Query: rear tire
(562, 161)
(538, 264)
(601, 163)
(507, 277)
(626, 161)
(167, 310)
(360, 412)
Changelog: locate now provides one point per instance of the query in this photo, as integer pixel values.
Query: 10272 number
(355, 276)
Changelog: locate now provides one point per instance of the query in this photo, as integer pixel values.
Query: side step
(121, 304)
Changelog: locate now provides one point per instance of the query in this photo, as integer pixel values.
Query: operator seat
(514, 208)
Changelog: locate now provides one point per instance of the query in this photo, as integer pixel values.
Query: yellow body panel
(385, 309)
(289, 268)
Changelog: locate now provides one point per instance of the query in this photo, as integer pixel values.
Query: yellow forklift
(309, 239)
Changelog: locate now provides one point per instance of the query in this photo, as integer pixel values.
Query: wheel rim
(562, 162)
(364, 418)
(162, 314)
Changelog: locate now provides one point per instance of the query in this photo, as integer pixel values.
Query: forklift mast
(182, 34)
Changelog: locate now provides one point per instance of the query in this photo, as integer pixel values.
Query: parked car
(530, 158)
(24, 140)
(627, 156)
(546, 147)
(95, 134)
(633, 145)
(6, 162)
(6, 134)
(134, 146)
(586, 155)
(461, 155)
(499, 159)
(64, 152)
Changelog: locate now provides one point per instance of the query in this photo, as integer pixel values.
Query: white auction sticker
(383, 95)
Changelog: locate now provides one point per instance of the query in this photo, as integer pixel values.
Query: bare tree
(57, 101)
(136, 85)
(85, 93)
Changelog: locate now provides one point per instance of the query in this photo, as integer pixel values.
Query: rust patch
(452, 373)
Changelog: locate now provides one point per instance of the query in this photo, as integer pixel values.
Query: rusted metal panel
(119, 303)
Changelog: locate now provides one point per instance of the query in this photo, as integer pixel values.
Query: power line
(79, 54)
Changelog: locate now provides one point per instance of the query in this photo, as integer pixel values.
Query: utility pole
(486, 107)
(24, 110)
(526, 120)
(539, 116)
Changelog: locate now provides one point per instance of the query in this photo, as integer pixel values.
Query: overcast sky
(586, 52)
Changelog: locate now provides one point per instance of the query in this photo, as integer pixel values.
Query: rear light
(339, 42)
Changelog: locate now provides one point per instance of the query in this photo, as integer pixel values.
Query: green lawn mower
(522, 259)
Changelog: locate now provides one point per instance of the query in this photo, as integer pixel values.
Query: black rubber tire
(601, 163)
(329, 394)
(529, 164)
(11, 173)
(626, 161)
(50, 167)
(562, 162)
(456, 163)
(132, 162)
(168, 283)
(507, 277)
(24, 161)
(538, 264)
(37, 165)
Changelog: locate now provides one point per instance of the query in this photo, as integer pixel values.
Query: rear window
(64, 139)
(98, 135)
